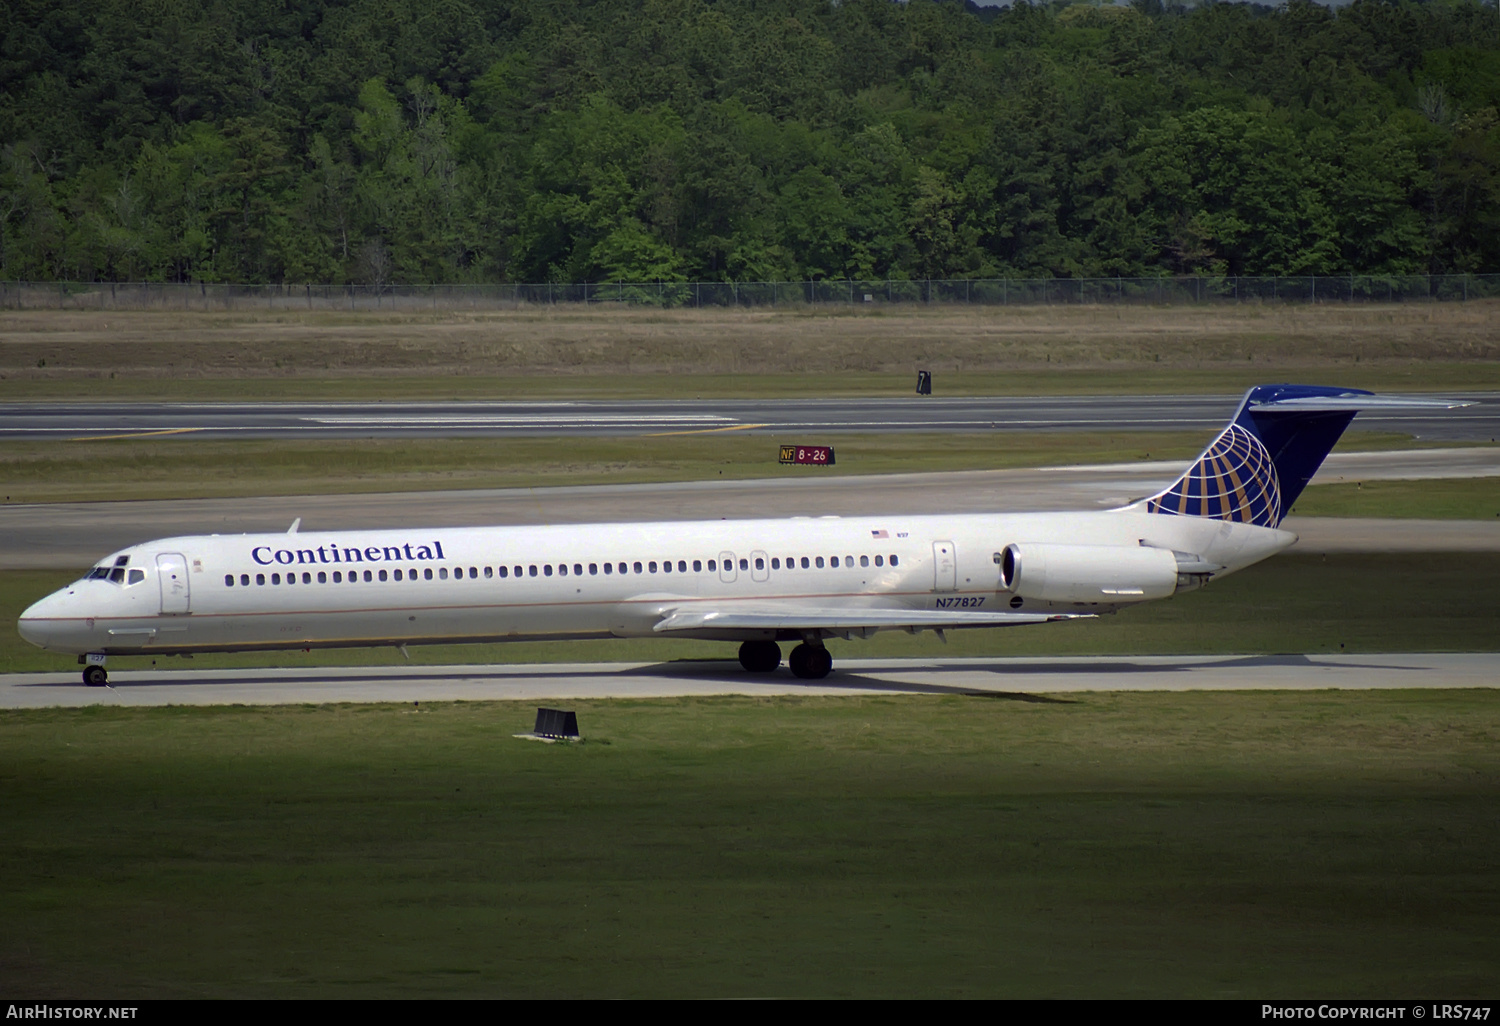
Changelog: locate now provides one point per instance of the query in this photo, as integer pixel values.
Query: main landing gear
(808, 661)
(760, 656)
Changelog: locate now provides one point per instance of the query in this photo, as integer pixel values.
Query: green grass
(1424, 602)
(166, 468)
(1328, 844)
(161, 468)
(1445, 499)
(1126, 379)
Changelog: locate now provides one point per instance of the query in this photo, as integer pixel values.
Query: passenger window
(760, 564)
(818, 562)
(442, 573)
(804, 563)
(245, 579)
(666, 566)
(864, 560)
(504, 571)
(894, 560)
(323, 577)
(744, 563)
(229, 580)
(848, 560)
(623, 568)
(697, 566)
(546, 569)
(275, 578)
(367, 577)
(594, 569)
(338, 578)
(609, 568)
(396, 574)
(880, 561)
(775, 562)
(833, 561)
(532, 569)
(562, 569)
(637, 567)
(682, 566)
(577, 569)
(652, 566)
(306, 577)
(474, 572)
(260, 578)
(489, 572)
(711, 566)
(427, 573)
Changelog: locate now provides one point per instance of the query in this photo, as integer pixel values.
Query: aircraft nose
(43, 622)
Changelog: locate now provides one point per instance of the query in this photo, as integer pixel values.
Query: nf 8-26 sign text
(812, 455)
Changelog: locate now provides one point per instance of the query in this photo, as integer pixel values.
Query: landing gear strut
(95, 677)
(760, 656)
(810, 662)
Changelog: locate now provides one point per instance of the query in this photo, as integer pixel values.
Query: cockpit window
(115, 571)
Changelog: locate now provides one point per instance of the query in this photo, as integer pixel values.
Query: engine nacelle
(1088, 573)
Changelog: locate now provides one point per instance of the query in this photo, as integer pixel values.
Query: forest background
(381, 141)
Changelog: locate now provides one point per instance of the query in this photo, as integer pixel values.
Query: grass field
(1329, 844)
(1427, 602)
(582, 352)
(157, 468)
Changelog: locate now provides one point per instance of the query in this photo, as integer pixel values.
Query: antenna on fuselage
(295, 524)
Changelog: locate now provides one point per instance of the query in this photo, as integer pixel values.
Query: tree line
(380, 141)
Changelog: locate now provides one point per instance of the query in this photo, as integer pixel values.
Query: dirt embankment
(563, 340)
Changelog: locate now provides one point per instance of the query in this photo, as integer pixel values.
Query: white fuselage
(429, 586)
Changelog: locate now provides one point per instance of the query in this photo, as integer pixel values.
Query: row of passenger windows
(666, 566)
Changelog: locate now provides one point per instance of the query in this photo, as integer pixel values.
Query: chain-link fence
(1378, 288)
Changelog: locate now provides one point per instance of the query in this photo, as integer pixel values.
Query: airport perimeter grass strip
(187, 468)
(948, 381)
(1298, 603)
(1218, 845)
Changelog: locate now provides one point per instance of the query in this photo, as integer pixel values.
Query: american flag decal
(880, 534)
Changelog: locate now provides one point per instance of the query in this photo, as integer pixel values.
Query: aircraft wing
(854, 619)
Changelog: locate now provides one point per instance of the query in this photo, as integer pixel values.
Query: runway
(1020, 679)
(74, 535)
(81, 420)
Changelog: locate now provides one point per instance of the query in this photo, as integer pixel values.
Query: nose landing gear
(95, 677)
(810, 662)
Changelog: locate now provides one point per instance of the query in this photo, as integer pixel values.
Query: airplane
(757, 582)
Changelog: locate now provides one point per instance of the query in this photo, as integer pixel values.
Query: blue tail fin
(1259, 464)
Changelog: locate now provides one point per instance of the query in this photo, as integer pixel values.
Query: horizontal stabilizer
(1354, 402)
(846, 619)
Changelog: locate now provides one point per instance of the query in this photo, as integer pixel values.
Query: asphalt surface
(643, 417)
(1022, 679)
(75, 535)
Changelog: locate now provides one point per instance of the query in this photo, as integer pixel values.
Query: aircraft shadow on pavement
(729, 671)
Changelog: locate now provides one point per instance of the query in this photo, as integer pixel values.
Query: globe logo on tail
(1234, 479)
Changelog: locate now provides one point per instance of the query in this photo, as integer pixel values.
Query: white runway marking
(565, 681)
